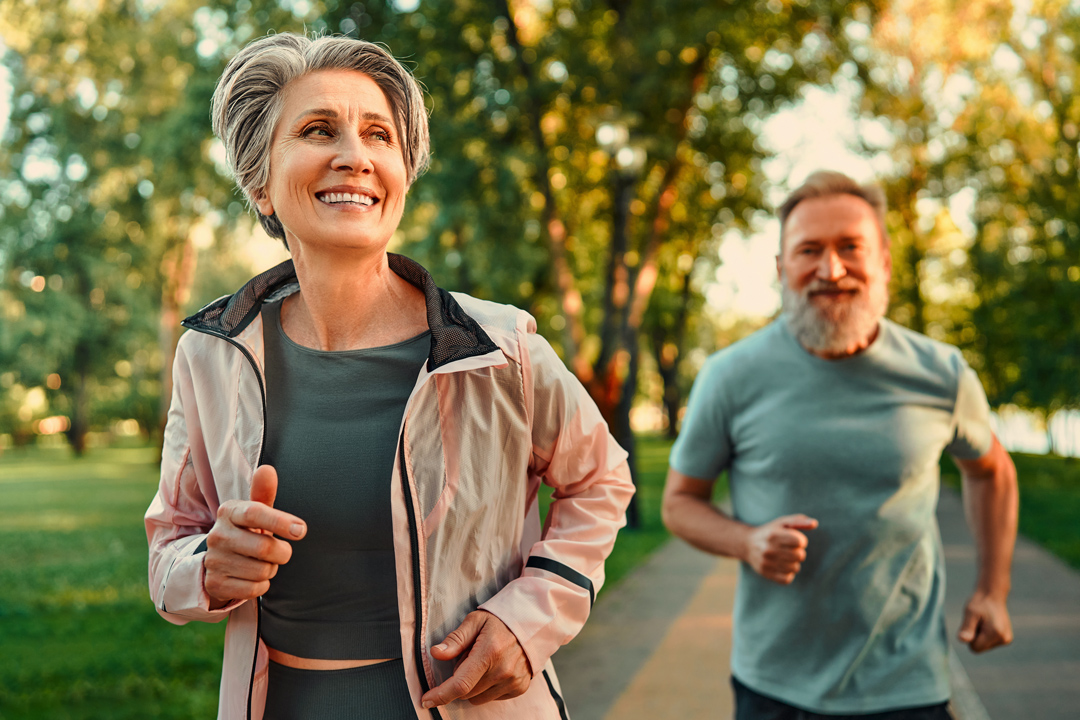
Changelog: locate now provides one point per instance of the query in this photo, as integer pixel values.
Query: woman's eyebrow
(333, 114)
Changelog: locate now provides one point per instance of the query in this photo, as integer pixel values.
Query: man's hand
(242, 554)
(777, 549)
(991, 501)
(491, 663)
(986, 623)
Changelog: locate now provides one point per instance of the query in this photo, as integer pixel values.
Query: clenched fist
(242, 554)
(777, 549)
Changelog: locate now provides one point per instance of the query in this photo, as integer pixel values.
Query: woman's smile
(348, 199)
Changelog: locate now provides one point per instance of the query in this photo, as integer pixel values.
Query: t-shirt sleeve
(972, 435)
(703, 448)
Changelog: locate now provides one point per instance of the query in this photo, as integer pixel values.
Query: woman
(352, 454)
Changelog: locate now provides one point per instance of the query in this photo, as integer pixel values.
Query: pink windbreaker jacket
(494, 413)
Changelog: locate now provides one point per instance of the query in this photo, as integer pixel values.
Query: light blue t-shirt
(854, 443)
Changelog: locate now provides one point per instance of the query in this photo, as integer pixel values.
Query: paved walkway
(657, 646)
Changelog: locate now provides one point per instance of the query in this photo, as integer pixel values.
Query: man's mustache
(842, 285)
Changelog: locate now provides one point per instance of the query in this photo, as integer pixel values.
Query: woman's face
(337, 171)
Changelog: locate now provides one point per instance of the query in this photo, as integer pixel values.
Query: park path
(657, 646)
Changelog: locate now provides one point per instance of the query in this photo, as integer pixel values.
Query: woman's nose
(352, 156)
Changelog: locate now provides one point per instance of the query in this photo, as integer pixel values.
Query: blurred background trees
(592, 158)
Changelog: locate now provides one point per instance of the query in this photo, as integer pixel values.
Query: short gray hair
(249, 96)
(826, 183)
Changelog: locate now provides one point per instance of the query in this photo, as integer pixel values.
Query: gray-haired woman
(352, 454)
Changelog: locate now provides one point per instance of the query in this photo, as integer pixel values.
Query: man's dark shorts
(751, 705)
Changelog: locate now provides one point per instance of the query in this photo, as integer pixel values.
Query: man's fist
(777, 549)
(986, 623)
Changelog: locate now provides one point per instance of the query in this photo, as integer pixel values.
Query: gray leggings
(375, 692)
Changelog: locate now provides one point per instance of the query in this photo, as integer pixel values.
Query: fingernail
(428, 705)
(297, 529)
(440, 647)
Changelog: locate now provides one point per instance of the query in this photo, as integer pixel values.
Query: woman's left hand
(491, 663)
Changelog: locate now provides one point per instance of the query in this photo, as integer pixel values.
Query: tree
(109, 177)
(604, 135)
(1024, 133)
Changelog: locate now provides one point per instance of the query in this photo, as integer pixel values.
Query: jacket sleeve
(573, 452)
(180, 516)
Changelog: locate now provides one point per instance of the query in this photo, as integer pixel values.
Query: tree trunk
(555, 229)
(668, 353)
(1051, 445)
(178, 275)
(918, 305)
(80, 406)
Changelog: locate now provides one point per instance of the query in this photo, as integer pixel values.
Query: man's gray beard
(834, 328)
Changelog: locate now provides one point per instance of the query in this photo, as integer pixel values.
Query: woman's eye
(317, 131)
(381, 135)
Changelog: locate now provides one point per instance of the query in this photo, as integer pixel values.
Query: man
(831, 422)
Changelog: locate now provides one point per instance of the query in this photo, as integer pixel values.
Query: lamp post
(628, 160)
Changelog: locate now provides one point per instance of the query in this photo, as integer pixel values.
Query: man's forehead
(831, 216)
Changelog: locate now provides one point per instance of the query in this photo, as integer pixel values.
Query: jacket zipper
(262, 392)
(417, 597)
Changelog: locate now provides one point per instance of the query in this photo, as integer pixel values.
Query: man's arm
(991, 503)
(774, 550)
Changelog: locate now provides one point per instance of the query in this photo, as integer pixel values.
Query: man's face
(835, 271)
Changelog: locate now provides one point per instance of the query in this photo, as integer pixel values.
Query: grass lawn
(79, 636)
(1049, 501)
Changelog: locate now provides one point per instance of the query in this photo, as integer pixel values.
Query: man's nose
(831, 267)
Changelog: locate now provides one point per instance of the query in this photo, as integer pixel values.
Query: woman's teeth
(333, 198)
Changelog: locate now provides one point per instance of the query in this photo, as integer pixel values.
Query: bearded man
(831, 422)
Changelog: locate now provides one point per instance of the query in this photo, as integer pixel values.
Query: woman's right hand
(242, 554)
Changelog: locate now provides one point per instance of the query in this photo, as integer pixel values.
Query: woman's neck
(351, 300)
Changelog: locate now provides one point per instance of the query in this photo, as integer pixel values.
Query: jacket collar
(454, 334)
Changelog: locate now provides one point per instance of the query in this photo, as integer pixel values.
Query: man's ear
(262, 202)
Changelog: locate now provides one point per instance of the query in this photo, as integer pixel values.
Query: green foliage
(1026, 262)
(984, 109)
(116, 216)
(523, 203)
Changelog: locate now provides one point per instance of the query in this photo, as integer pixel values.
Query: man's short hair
(250, 94)
(826, 183)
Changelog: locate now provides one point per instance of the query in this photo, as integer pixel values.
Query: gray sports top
(332, 421)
